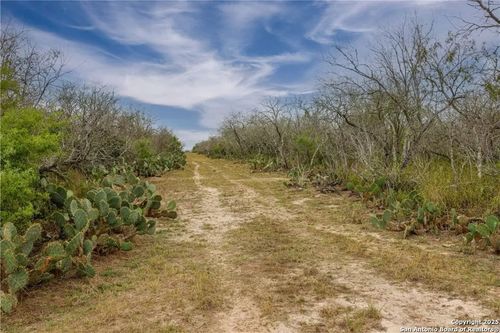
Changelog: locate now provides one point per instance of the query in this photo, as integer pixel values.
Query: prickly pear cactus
(105, 220)
(382, 221)
(14, 252)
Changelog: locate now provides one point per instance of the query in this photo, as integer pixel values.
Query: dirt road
(248, 254)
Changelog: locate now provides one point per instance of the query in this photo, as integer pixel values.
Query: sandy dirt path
(400, 304)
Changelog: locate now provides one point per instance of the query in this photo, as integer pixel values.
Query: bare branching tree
(411, 99)
(490, 15)
(35, 71)
(100, 132)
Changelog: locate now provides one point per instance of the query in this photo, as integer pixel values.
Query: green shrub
(9, 88)
(157, 165)
(20, 199)
(143, 149)
(305, 148)
(154, 161)
(28, 137)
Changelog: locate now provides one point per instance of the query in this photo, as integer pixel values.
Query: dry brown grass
(346, 319)
(340, 224)
(161, 286)
(279, 268)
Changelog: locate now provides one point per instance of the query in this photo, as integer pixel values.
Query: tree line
(413, 116)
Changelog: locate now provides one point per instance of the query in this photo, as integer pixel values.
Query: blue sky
(188, 64)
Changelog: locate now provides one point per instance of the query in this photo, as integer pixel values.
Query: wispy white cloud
(240, 14)
(241, 17)
(278, 59)
(187, 87)
(81, 27)
(187, 73)
(340, 16)
(157, 26)
(370, 16)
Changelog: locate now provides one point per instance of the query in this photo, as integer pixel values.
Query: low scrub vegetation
(412, 128)
(70, 160)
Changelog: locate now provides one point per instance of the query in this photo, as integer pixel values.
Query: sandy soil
(401, 304)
